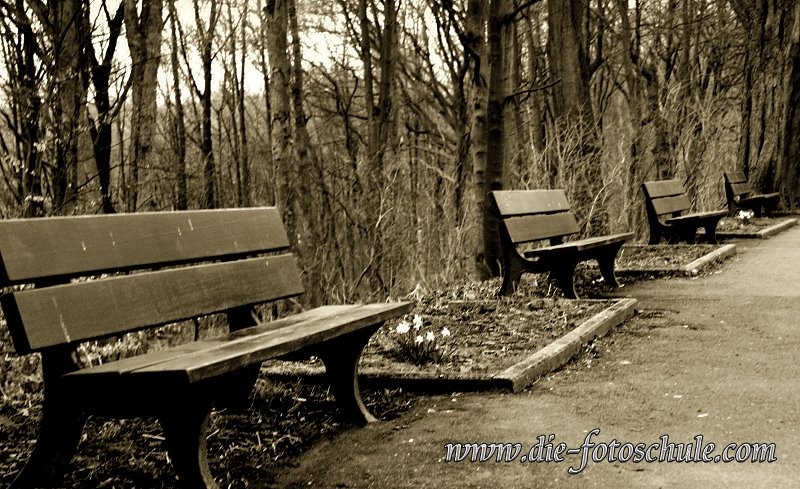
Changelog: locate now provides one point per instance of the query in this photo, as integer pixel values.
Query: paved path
(717, 356)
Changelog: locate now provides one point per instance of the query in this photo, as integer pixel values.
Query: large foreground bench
(741, 196)
(667, 205)
(178, 266)
(535, 215)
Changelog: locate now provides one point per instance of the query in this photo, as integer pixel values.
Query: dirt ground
(714, 356)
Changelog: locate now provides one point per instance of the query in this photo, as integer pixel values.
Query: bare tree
(143, 32)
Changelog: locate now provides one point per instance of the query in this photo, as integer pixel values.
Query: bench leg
(235, 394)
(60, 427)
(684, 235)
(59, 433)
(564, 277)
(607, 260)
(512, 273)
(341, 356)
(711, 232)
(185, 426)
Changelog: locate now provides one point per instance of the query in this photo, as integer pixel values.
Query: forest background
(379, 126)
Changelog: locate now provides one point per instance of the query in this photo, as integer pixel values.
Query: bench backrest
(736, 185)
(49, 253)
(532, 215)
(666, 197)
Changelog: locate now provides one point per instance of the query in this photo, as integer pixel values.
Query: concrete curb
(763, 234)
(513, 379)
(690, 269)
(560, 351)
(694, 267)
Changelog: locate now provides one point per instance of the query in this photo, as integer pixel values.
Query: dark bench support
(741, 196)
(341, 357)
(534, 215)
(185, 424)
(60, 426)
(180, 386)
(667, 204)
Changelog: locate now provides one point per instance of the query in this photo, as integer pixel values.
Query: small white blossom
(430, 336)
(445, 332)
(417, 321)
(403, 327)
(419, 339)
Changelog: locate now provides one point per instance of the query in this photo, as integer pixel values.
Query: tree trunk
(477, 53)
(30, 108)
(768, 146)
(276, 13)
(143, 32)
(179, 118)
(496, 165)
(206, 34)
(101, 130)
(245, 155)
(569, 64)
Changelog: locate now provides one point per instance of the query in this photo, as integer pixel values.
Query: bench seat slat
(524, 229)
(57, 247)
(581, 245)
(759, 197)
(249, 346)
(159, 356)
(697, 216)
(40, 318)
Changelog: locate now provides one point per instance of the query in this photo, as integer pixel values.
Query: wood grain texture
(209, 359)
(520, 202)
(669, 205)
(696, 216)
(736, 177)
(523, 229)
(581, 245)
(663, 188)
(46, 248)
(88, 310)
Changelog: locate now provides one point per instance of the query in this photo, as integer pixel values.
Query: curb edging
(560, 351)
(694, 267)
(763, 234)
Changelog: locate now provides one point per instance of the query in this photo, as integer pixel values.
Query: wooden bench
(740, 196)
(535, 215)
(666, 203)
(178, 266)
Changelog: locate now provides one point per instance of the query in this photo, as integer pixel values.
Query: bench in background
(535, 215)
(667, 205)
(186, 264)
(740, 196)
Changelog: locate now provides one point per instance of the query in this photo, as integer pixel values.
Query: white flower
(403, 327)
(430, 336)
(417, 321)
(419, 339)
(445, 332)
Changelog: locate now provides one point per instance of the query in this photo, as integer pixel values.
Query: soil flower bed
(756, 227)
(680, 259)
(661, 256)
(484, 335)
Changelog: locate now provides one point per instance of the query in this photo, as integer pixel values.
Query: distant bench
(535, 215)
(179, 385)
(667, 205)
(740, 196)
